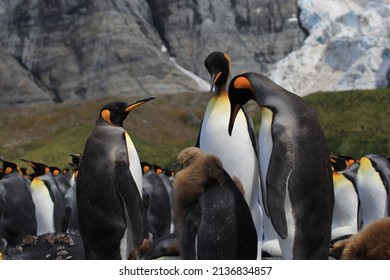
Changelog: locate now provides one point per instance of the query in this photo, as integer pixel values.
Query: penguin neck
(219, 102)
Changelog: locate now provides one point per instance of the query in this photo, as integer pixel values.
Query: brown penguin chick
(197, 168)
(212, 217)
(371, 243)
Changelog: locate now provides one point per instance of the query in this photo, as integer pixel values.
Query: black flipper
(128, 191)
(279, 170)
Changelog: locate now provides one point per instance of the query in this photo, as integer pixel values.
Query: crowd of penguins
(280, 194)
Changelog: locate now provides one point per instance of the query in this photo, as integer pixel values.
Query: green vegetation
(355, 123)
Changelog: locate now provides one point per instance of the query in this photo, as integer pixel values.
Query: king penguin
(109, 188)
(47, 197)
(213, 218)
(345, 221)
(17, 210)
(295, 165)
(373, 182)
(237, 152)
(346, 207)
(155, 199)
(70, 200)
(60, 179)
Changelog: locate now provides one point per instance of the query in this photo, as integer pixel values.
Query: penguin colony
(235, 194)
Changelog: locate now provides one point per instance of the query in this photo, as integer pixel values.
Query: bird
(166, 176)
(371, 243)
(341, 162)
(373, 182)
(61, 180)
(295, 165)
(111, 219)
(17, 209)
(212, 218)
(155, 199)
(345, 221)
(47, 197)
(238, 152)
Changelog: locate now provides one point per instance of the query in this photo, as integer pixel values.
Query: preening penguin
(373, 182)
(295, 165)
(109, 188)
(213, 219)
(237, 152)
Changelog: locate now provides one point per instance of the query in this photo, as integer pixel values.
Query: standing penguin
(213, 219)
(345, 221)
(237, 152)
(17, 210)
(70, 199)
(47, 197)
(60, 179)
(373, 182)
(295, 165)
(155, 199)
(346, 207)
(109, 187)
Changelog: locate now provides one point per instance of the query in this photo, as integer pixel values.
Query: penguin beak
(233, 114)
(28, 162)
(138, 103)
(214, 79)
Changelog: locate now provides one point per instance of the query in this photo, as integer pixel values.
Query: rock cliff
(53, 50)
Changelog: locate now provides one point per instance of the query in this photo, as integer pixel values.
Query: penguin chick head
(116, 112)
(199, 170)
(240, 92)
(218, 65)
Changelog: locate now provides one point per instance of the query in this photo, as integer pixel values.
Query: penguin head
(146, 166)
(218, 65)
(116, 112)
(55, 170)
(40, 169)
(341, 162)
(9, 167)
(76, 158)
(240, 92)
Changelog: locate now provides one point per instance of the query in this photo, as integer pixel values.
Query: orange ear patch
(242, 83)
(146, 168)
(8, 170)
(106, 116)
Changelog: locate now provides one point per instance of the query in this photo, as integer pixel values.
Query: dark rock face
(54, 50)
(255, 33)
(86, 48)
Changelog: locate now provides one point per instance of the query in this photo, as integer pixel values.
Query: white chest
(135, 165)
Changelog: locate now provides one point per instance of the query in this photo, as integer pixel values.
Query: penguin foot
(141, 252)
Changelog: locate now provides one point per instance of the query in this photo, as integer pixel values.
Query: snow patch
(344, 49)
(202, 84)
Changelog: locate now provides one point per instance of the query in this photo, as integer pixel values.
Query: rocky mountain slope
(53, 50)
